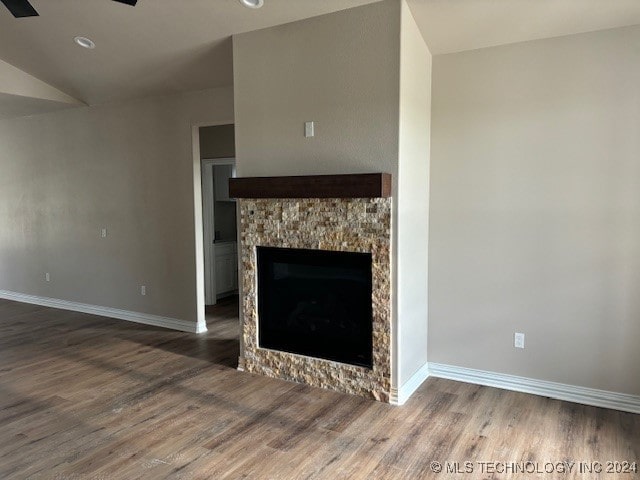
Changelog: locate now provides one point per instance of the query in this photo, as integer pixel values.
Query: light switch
(309, 129)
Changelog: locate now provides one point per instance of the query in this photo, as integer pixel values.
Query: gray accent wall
(339, 70)
(217, 141)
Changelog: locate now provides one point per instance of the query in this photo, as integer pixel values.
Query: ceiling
(161, 47)
(158, 47)
(456, 25)
(12, 106)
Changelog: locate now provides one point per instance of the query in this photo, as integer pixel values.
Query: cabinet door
(226, 273)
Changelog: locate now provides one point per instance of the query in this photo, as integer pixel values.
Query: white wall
(535, 210)
(125, 166)
(413, 197)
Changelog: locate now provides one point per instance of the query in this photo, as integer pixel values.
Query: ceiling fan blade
(128, 2)
(20, 8)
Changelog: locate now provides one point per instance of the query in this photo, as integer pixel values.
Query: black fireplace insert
(316, 303)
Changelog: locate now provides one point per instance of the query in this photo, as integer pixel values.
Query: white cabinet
(226, 267)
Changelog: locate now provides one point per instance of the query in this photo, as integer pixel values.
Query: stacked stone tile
(349, 225)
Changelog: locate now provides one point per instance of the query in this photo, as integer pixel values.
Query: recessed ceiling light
(84, 42)
(252, 3)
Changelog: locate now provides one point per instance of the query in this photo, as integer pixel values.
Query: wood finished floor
(86, 397)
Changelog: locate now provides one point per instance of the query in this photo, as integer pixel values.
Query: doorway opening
(218, 263)
(220, 230)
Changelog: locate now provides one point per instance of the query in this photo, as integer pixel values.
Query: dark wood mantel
(360, 185)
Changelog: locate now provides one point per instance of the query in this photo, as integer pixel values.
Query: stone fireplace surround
(350, 213)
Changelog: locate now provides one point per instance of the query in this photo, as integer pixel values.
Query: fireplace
(304, 243)
(316, 303)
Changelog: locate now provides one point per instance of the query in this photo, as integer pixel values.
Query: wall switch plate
(103, 233)
(309, 129)
(47, 277)
(143, 290)
(518, 340)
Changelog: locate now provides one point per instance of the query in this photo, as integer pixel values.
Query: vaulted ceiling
(158, 47)
(456, 25)
(161, 47)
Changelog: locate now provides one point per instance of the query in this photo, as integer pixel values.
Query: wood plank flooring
(86, 397)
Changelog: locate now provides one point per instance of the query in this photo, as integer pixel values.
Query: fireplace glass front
(316, 303)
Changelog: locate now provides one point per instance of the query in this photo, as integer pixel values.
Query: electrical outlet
(103, 233)
(143, 290)
(518, 340)
(47, 277)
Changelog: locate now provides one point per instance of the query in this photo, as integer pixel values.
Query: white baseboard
(587, 396)
(399, 396)
(137, 317)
